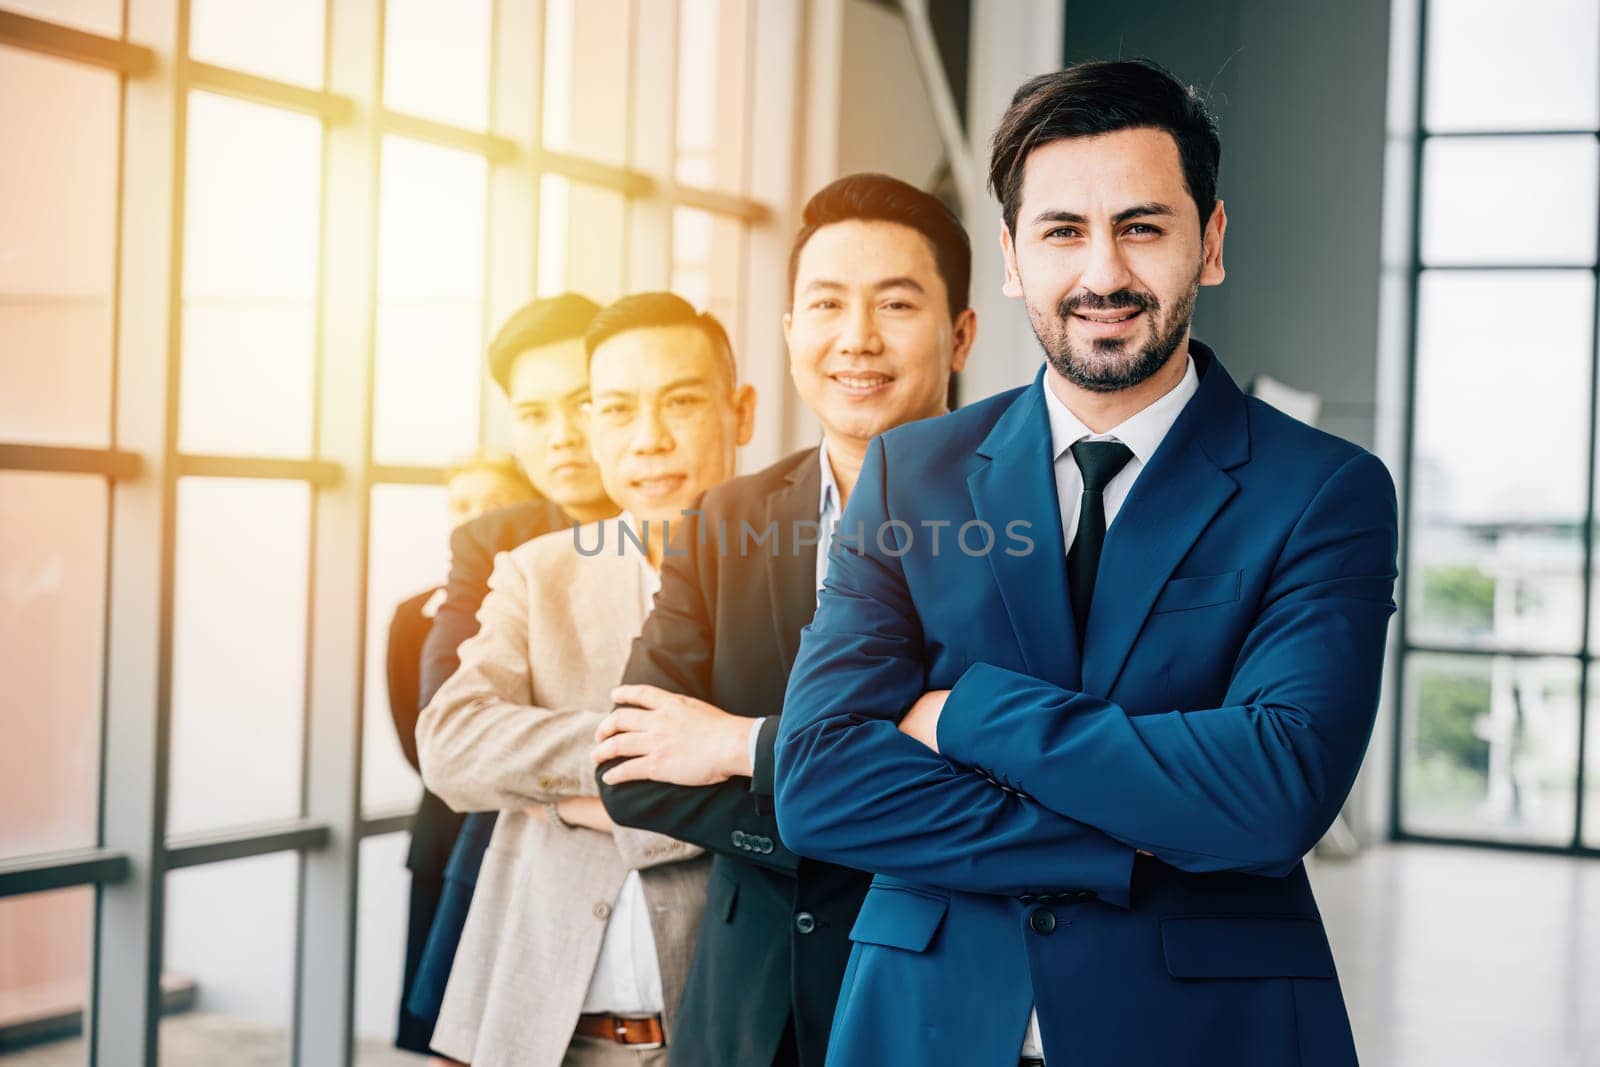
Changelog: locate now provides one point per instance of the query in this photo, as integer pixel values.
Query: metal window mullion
(625, 180)
(320, 473)
(1588, 536)
(1413, 327)
(1445, 135)
(325, 948)
(772, 166)
(80, 46)
(256, 89)
(129, 914)
(1428, 648)
(652, 118)
(113, 463)
(510, 245)
(61, 870)
(223, 846)
(396, 474)
(717, 202)
(1497, 844)
(495, 148)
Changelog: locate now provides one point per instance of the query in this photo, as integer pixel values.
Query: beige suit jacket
(513, 728)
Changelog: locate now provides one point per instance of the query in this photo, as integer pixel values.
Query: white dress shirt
(1143, 433)
(627, 976)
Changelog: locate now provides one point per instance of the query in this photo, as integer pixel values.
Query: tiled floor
(1456, 957)
(1449, 958)
(195, 1039)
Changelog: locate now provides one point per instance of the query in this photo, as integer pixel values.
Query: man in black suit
(878, 323)
(539, 362)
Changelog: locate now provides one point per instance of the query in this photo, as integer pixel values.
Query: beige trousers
(598, 1052)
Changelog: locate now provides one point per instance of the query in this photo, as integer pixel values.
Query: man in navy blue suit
(1098, 658)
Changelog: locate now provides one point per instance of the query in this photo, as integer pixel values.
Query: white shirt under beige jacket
(512, 729)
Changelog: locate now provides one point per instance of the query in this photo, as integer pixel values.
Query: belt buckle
(621, 1023)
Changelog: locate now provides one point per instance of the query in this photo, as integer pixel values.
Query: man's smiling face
(872, 342)
(1108, 254)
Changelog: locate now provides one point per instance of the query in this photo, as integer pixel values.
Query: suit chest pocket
(1185, 594)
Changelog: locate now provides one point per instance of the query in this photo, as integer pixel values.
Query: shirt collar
(1142, 431)
(828, 495)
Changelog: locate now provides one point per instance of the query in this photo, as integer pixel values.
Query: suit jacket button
(739, 839)
(805, 922)
(1043, 922)
(766, 845)
(602, 910)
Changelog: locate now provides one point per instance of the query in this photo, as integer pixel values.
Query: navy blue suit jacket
(1214, 715)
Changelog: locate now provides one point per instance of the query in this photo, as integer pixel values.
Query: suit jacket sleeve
(852, 789)
(407, 631)
(471, 562)
(1250, 785)
(674, 652)
(484, 745)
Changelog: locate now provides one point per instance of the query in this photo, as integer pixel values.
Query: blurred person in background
(878, 323)
(486, 481)
(539, 362)
(579, 938)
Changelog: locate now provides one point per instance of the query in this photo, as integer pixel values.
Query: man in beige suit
(580, 936)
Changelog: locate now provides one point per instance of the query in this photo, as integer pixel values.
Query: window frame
(143, 465)
(1417, 136)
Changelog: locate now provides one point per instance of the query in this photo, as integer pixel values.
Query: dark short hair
(645, 310)
(543, 322)
(880, 198)
(1102, 97)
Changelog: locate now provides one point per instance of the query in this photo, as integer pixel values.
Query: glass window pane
(96, 16)
(713, 46)
(430, 303)
(230, 929)
(239, 652)
(249, 279)
(280, 40)
(1490, 745)
(44, 975)
(1591, 767)
(58, 189)
(1531, 67)
(385, 900)
(582, 239)
(409, 553)
(1497, 536)
(52, 628)
(1510, 200)
(436, 60)
(708, 265)
(587, 77)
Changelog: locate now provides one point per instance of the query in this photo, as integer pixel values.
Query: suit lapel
(611, 592)
(1171, 504)
(1019, 482)
(792, 574)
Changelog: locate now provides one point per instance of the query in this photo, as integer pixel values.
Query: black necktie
(1098, 462)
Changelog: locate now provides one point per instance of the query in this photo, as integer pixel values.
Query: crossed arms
(1246, 786)
(484, 746)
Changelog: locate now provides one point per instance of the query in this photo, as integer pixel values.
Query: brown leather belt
(634, 1031)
